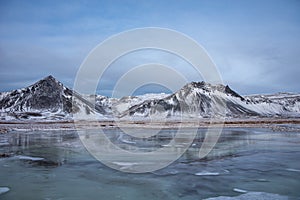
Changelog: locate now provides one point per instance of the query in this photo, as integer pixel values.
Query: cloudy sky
(254, 44)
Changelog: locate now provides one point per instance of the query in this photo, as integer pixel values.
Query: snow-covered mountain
(196, 99)
(46, 99)
(201, 100)
(49, 99)
(279, 104)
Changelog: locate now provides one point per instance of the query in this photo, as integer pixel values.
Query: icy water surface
(245, 164)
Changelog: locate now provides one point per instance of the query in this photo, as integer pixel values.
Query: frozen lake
(256, 163)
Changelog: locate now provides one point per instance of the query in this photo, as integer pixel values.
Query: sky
(254, 44)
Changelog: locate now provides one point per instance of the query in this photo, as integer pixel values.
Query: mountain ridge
(49, 99)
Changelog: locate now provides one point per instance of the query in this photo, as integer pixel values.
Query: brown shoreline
(272, 123)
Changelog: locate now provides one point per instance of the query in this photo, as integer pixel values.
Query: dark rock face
(228, 90)
(67, 102)
(47, 95)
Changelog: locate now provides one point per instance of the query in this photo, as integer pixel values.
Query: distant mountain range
(48, 99)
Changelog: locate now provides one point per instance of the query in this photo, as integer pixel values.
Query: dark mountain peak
(46, 94)
(228, 90)
(205, 86)
(47, 86)
(208, 87)
(49, 80)
(200, 84)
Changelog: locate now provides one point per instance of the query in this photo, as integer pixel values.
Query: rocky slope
(203, 100)
(46, 99)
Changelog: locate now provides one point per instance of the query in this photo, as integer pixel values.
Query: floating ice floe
(4, 144)
(3, 190)
(207, 174)
(128, 142)
(293, 170)
(261, 180)
(239, 190)
(252, 195)
(125, 165)
(30, 158)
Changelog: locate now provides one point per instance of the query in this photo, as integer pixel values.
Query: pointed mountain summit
(45, 97)
(46, 94)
